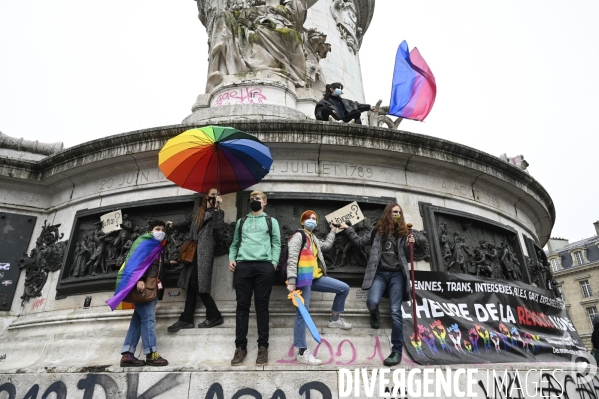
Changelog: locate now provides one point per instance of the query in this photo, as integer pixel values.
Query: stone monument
(475, 217)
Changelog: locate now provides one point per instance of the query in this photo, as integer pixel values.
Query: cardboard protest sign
(351, 212)
(111, 221)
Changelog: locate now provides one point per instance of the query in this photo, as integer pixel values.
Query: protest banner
(465, 319)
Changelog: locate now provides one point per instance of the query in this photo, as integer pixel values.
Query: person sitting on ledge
(334, 108)
(387, 270)
(307, 272)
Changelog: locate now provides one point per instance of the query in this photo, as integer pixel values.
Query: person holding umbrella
(196, 277)
(307, 271)
(387, 269)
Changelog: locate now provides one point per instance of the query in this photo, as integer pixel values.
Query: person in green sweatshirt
(253, 257)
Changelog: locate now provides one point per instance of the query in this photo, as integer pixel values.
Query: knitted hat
(306, 215)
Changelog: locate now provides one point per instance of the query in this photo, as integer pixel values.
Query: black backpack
(282, 269)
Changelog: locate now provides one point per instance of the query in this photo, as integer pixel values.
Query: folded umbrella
(298, 300)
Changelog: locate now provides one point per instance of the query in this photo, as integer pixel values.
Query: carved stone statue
(98, 258)
(518, 161)
(81, 252)
(511, 266)
(123, 237)
(316, 49)
(44, 258)
(255, 35)
(460, 254)
(445, 244)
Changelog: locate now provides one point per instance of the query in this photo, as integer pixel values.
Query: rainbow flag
(414, 88)
(143, 252)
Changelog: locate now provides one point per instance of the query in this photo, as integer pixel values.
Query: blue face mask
(310, 224)
(337, 92)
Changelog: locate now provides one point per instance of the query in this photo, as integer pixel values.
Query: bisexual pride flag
(143, 252)
(414, 88)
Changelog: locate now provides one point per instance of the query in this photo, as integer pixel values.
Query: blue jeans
(395, 282)
(142, 324)
(322, 284)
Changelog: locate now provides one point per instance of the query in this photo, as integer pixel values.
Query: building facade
(576, 269)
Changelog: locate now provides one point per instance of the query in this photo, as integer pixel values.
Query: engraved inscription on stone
(344, 170)
(131, 179)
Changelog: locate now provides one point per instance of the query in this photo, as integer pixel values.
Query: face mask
(310, 224)
(159, 235)
(255, 206)
(337, 92)
(396, 218)
(212, 200)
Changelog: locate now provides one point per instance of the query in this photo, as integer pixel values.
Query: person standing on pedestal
(307, 271)
(334, 108)
(253, 256)
(196, 277)
(387, 269)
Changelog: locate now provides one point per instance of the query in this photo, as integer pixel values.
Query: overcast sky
(519, 77)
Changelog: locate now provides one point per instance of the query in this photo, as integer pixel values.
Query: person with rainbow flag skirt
(143, 261)
(307, 272)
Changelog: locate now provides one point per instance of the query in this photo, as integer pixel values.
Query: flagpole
(414, 315)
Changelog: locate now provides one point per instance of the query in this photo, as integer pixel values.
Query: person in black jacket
(334, 108)
(196, 277)
(387, 270)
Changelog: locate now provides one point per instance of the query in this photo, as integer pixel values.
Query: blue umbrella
(298, 300)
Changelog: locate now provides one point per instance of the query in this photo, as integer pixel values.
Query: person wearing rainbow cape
(307, 271)
(143, 261)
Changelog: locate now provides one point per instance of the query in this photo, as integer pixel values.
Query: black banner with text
(467, 319)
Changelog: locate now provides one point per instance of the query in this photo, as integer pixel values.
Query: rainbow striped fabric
(414, 88)
(306, 264)
(143, 252)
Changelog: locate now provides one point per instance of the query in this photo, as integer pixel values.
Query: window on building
(586, 288)
(554, 264)
(592, 311)
(578, 259)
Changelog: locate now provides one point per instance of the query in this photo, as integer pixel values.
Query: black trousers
(253, 278)
(212, 311)
(354, 115)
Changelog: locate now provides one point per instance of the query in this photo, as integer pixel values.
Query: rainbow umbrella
(214, 157)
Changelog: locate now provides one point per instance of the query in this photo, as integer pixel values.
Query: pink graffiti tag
(353, 348)
(377, 349)
(329, 347)
(336, 354)
(38, 303)
(241, 96)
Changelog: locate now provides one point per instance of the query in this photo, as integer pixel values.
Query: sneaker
(393, 360)
(375, 320)
(128, 360)
(155, 360)
(211, 323)
(262, 358)
(240, 354)
(308, 358)
(179, 325)
(340, 323)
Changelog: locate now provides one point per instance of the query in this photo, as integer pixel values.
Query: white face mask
(159, 235)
